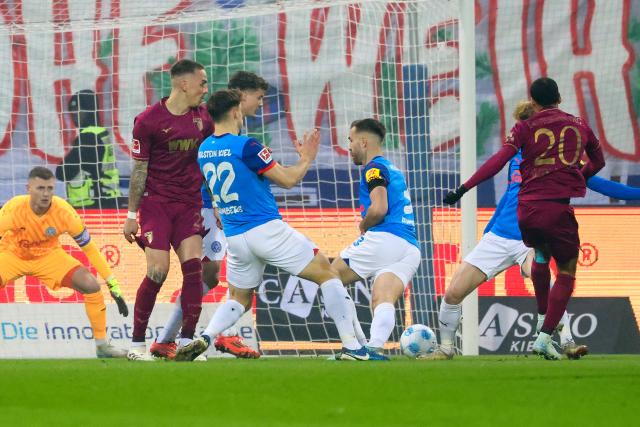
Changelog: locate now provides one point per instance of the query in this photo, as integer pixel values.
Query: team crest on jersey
(198, 122)
(50, 231)
(265, 155)
(135, 146)
(373, 173)
(149, 236)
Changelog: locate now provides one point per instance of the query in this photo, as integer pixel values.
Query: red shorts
(165, 224)
(550, 224)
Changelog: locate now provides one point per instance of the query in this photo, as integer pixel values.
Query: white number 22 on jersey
(226, 184)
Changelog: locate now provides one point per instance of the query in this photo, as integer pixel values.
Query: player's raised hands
(310, 145)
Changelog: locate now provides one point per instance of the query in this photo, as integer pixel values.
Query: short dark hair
(220, 102)
(245, 80)
(185, 66)
(40, 172)
(545, 91)
(370, 125)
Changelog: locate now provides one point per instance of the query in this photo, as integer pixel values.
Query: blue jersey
(399, 219)
(233, 166)
(504, 221)
(206, 198)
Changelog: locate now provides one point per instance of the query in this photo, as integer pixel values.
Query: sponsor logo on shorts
(216, 247)
(149, 236)
(50, 231)
(135, 146)
(265, 155)
(373, 173)
(358, 241)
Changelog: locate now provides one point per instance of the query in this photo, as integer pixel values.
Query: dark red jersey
(553, 143)
(170, 144)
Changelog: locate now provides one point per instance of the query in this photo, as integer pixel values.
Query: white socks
(336, 302)
(224, 317)
(173, 325)
(360, 336)
(382, 324)
(448, 320)
(565, 332)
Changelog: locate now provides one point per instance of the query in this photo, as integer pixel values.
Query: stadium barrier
(62, 330)
(606, 325)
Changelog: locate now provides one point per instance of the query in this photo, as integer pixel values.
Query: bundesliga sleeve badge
(135, 146)
(265, 155)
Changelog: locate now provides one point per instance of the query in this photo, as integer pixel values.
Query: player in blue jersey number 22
(239, 170)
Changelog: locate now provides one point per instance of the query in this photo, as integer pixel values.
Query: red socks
(191, 297)
(541, 278)
(558, 300)
(145, 300)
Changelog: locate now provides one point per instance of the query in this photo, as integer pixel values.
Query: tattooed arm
(137, 184)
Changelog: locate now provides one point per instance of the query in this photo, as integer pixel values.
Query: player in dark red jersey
(553, 143)
(165, 191)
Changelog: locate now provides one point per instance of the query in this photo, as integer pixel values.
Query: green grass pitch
(491, 391)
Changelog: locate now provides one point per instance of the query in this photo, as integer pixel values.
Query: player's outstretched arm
(613, 189)
(76, 228)
(492, 166)
(100, 264)
(289, 176)
(136, 190)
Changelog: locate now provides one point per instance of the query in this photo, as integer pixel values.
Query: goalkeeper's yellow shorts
(54, 269)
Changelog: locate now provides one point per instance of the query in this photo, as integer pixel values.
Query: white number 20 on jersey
(212, 175)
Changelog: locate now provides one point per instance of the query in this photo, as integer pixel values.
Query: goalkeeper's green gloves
(116, 294)
(453, 196)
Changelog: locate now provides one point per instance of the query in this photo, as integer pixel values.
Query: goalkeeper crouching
(29, 228)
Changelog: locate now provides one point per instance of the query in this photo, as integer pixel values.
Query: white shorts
(274, 243)
(378, 252)
(494, 254)
(214, 244)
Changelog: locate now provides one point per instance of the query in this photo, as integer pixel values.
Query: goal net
(328, 63)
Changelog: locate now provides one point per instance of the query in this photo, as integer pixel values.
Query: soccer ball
(417, 340)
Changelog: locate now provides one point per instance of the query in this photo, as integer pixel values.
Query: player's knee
(453, 295)
(84, 282)
(157, 274)
(568, 267)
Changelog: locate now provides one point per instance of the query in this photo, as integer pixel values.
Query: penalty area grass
(489, 390)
